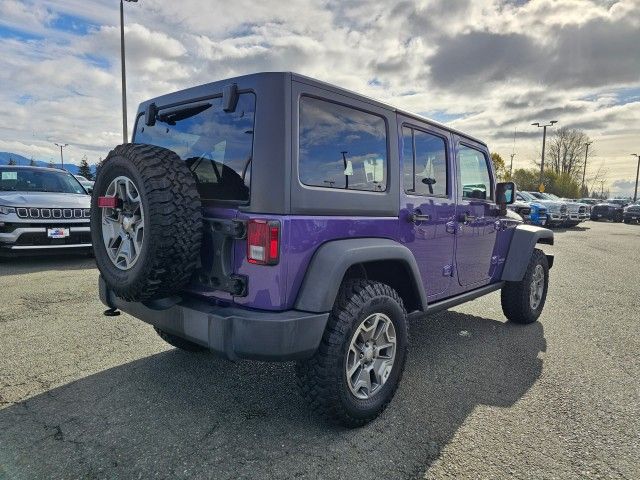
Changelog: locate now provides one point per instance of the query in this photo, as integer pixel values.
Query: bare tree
(566, 151)
(594, 181)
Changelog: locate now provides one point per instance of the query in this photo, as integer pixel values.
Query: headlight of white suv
(6, 210)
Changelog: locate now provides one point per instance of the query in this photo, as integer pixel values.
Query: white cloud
(573, 59)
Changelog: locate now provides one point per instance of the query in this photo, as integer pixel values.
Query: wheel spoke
(363, 380)
(356, 365)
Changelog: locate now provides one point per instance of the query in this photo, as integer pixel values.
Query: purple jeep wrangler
(276, 217)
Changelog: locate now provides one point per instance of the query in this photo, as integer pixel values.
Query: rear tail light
(263, 242)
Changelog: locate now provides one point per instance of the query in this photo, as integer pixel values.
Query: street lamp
(346, 177)
(124, 74)
(635, 194)
(61, 145)
(544, 139)
(584, 172)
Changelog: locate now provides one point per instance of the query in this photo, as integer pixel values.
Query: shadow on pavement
(570, 229)
(22, 264)
(177, 415)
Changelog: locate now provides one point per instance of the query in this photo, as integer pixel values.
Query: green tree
(499, 166)
(526, 178)
(99, 165)
(85, 169)
(12, 161)
(562, 184)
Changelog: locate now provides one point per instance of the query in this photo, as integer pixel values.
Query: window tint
(425, 166)
(216, 145)
(474, 174)
(341, 147)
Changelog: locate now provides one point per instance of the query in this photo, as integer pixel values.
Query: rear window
(216, 145)
(341, 147)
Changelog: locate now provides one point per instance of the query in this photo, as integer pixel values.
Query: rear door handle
(466, 218)
(418, 216)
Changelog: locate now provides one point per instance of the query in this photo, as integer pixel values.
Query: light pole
(511, 167)
(635, 194)
(346, 177)
(584, 172)
(125, 137)
(62, 145)
(544, 140)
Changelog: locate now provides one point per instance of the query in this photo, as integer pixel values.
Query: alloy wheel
(537, 287)
(371, 356)
(123, 227)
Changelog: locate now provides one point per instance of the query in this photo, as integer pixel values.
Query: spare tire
(147, 243)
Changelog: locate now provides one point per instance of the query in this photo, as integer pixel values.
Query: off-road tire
(179, 342)
(515, 301)
(322, 379)
(172, 222)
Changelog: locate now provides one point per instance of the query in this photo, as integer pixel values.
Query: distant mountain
(21, 160)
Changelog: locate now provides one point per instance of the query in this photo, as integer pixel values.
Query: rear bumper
(231, 332)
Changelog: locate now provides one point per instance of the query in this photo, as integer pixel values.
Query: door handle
(419, 217)
(466, 218)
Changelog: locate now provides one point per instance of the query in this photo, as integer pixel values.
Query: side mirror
(505, 193)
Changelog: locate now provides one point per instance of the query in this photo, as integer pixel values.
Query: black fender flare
(332, 260)
(524, 240)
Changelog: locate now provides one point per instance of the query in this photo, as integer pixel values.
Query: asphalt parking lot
(87, 396)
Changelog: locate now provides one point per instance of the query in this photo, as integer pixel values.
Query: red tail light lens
(263, 242)
(108, 202)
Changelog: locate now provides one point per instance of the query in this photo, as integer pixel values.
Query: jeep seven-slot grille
(56, 213)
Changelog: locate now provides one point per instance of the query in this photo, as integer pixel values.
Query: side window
(474, 174)
(341, 147)
(424, 163)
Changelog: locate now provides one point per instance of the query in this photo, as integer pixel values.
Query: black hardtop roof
(320, 84)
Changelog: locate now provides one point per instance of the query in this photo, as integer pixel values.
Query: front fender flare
(332, 260)
(524, 240)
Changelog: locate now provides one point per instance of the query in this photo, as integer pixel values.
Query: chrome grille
(57, 213)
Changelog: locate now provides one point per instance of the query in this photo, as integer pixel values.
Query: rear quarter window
(341, 147)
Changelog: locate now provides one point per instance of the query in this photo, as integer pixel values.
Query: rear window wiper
(182, 112)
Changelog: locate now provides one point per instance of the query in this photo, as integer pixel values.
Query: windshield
(551, 196)
(32, 180)
(527, 197)
(216, 145)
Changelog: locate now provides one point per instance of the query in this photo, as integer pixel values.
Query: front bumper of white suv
(33, 229)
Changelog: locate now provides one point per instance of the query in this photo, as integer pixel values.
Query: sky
(487, 67)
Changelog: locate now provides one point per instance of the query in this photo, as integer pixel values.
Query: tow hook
(111, 312)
